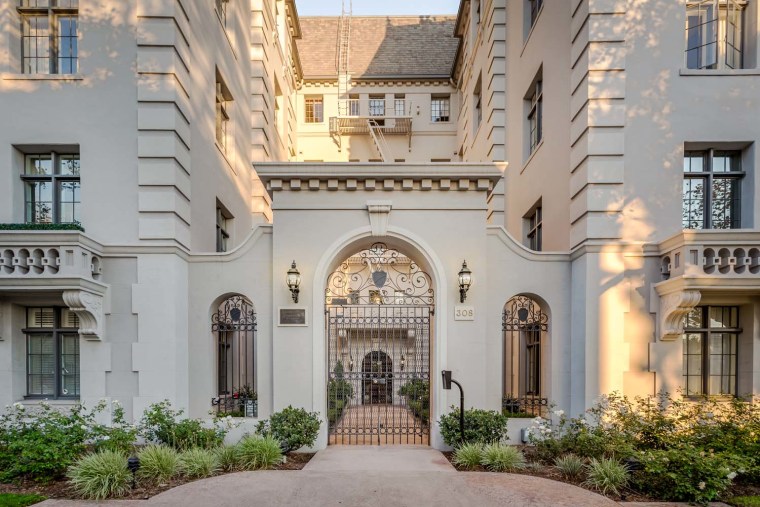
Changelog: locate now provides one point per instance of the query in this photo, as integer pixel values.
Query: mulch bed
(629, 495)
(60, 488)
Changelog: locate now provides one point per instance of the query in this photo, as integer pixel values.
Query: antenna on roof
(343, 55)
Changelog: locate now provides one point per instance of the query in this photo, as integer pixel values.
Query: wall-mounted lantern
(294, 281)
(465, 280)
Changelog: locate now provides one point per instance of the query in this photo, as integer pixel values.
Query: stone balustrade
(729, 253)
(26, 254)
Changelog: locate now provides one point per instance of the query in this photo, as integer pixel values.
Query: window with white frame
(535, 114)
(52, 353)
(223, 107)
(51, 188)
(477, 104)
(399, 104)
(712, 189)
(440, 108)
(353, 105)
(714, 34)
(49, 36)
(710, 341)
(314, 109)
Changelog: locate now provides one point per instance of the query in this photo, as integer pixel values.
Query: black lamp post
(133, 464)
(447, 381)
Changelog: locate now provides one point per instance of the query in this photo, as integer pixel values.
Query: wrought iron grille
(524, 327)
(379, 275)
(378, 386)
(234, 328)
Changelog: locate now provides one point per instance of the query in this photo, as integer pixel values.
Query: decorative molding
(379, 216)
(673, 308)
(89, 308)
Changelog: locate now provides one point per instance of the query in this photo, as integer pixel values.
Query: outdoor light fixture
(447, 381)
(403, 362)
(465, 280)
(133, 465)
(294, 281)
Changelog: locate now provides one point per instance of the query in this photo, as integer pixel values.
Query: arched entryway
(524, 325)
(379, 305)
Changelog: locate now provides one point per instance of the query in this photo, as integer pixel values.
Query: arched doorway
(379, 305)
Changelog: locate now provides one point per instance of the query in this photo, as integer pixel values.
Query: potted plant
(247, 400)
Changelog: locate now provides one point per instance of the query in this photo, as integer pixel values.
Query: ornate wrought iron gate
(378, 326)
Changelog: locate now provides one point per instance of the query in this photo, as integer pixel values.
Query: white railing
(33, 255)
(711, 253)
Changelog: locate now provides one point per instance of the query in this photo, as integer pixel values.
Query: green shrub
(259, 453)
(294, 427)
(417, 393)
(197, 463)
(606, 475)
(502, 458)
(339, 392)
(100, 475)
(19, 499)
(685, 474)
(228, 457)
(158, 464)
(119, 436)
(469, 456)
(41, 443)
(484, 426)
(161, 424)
(569, 465)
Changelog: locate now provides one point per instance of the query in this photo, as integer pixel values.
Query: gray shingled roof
(414, 46)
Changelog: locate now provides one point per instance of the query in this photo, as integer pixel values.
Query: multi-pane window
(314, 109)
(377, 105)
(477, 101)
(51, 188)
(710, 341)
(714, 34)
(221, 10)
(222, 226)
(49, 36)
(712, 189)
(535, 121)
(535, 8)
(52, 353)
(353, 105)
(223, 106)
(440, 108)
(535, 229)
(399, 105)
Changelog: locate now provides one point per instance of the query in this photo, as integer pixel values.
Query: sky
(373, 7)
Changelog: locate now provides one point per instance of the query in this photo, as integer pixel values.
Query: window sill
(35, 402)
(719, 72)
(10, 76)
(530, 158)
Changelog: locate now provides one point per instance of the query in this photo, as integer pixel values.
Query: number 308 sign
(464, 313)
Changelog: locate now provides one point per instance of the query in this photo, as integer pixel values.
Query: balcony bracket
(89, 308)
(673, 308)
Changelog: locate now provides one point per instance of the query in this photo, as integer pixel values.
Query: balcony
(720, 254)
(64, 262)
(693, 263)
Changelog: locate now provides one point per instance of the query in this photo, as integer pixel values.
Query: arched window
(234, 328)
(524, 325)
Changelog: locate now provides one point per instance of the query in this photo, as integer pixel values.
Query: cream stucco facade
(219, 142)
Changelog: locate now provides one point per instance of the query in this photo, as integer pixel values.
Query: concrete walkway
(370, 476)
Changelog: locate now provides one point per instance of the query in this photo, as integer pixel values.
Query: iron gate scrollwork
(379, 305)
(234, 328)
(524, 325)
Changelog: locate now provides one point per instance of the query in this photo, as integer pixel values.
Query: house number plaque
(292, 316)
(464, 313)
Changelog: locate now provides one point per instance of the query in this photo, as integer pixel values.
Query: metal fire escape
(349, 121)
